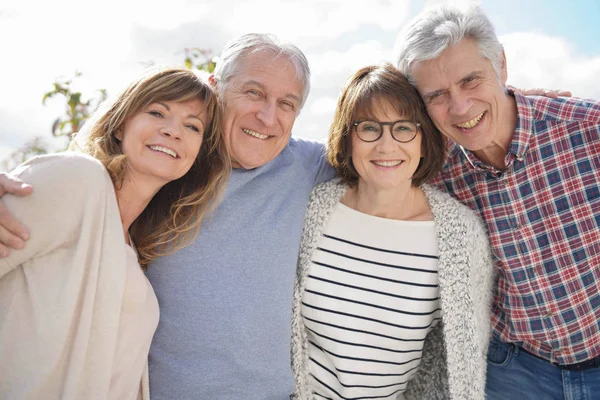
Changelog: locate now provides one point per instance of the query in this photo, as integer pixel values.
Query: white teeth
(255, 134)
(387, 163)
(470, 124)
(164, 150)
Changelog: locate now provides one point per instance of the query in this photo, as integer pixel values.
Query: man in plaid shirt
(531, 168)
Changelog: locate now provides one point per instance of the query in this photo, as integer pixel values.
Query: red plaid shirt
(543, 218)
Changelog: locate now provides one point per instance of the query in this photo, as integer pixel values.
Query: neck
(495, 153)
(133, 197)
(402, 203)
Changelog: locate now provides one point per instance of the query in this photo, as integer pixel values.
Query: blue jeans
(517, 375)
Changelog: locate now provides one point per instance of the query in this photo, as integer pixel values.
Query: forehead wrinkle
(252, 82)
(437, 67)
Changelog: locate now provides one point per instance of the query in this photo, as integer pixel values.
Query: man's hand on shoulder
(541, 92)
(12, 233)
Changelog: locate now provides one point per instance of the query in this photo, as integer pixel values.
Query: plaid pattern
(543, 218)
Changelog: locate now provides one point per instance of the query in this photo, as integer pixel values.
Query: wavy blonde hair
(172, 218)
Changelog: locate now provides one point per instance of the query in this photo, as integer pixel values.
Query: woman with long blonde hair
(77, 313)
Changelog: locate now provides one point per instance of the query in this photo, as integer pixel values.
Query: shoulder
(440, 199)
(309, 152)
(565, 109)
(67, 165)
(305, 157)
(306, 146)
(322, 200)
(72, 194)
(66, 174)
(333, 188)
(445, 208)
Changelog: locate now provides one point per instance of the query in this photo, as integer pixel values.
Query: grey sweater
(453, 365)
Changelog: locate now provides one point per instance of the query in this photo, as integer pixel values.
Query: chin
(255, 162)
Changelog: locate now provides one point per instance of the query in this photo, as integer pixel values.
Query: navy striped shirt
(371, 297)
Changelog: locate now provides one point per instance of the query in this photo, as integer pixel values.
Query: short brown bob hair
(173, 216)
(368, 89)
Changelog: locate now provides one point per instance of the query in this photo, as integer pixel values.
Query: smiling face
(386, 163)
(162, 140)
(261, 103)
(465, 97)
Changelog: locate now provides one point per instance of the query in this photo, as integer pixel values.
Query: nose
(267, 113)
(460, 104)
(386, 141)
(171, 129)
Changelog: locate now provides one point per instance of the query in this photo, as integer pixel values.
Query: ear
(503, 71)
(119, 134)
(212, 80)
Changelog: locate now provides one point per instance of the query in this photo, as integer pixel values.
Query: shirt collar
(520, 141)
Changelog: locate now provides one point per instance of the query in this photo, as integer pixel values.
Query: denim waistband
(580, 366)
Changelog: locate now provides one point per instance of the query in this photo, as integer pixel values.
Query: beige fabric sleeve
(65, 186)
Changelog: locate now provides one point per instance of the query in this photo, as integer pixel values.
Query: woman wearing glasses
(393, 291)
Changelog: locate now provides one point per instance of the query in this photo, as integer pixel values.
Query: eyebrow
(474, 74)
(189, 116)
(428, 95)
(262, 87)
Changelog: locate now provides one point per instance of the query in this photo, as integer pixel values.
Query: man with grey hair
(225, 299)
(531, 167)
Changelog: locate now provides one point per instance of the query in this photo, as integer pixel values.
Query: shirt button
(532, 271)
(549, 314)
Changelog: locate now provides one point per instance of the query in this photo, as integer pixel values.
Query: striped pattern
(371, 297)
(543, 217)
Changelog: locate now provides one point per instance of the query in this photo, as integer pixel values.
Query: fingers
(554, 93)
(9, 241)
(532, 92)
(550, 93)
(9, 184)
(12, 233)
(541, 92)
(4, 251)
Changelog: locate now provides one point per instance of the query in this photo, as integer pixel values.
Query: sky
(548, 43)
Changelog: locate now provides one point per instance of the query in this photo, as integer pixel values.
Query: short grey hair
(229, 61)
(432, 32)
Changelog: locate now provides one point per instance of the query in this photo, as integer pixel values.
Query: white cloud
(536, 60)
(334, 63)
(323, 105)
(317, 19)
(110, 42)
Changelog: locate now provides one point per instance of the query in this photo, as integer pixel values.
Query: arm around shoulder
(67, 185)
(314, 156)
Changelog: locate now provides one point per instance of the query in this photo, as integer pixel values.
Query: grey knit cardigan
(453, 365)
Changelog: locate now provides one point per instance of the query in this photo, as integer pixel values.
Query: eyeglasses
(371, 131)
